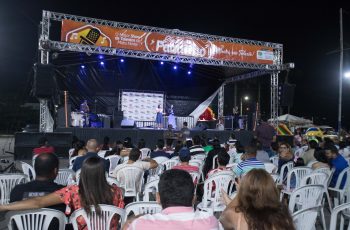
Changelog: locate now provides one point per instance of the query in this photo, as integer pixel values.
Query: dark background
(308, 33)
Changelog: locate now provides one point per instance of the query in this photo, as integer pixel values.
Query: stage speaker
(61, 117)
(287, 94)
(228, 122)
(44, 83)
(126, 123)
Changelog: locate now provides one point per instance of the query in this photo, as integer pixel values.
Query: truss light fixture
(189, 72)
(102, 63)
(175, 67)
(122, 60)
(100, 57)
(82, 66)
(162, 63)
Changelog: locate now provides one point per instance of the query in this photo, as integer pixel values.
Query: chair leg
(323, 219)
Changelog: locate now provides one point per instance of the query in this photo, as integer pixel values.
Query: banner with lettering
(130, 39)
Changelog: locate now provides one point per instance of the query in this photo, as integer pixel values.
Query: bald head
(92, 145)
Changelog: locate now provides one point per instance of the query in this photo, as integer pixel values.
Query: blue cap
(184, 152)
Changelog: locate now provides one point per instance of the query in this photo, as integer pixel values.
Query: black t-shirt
(34, 189)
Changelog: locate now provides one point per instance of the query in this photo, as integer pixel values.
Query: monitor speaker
(126, 123)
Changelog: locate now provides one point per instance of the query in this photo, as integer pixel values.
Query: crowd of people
(256, 205)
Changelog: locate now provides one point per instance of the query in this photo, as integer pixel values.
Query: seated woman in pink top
(93, 189)
(256, 206)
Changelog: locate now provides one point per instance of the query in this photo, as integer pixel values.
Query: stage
(61, 139)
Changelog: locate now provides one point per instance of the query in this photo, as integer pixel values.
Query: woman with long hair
(93, 189)
(256, 205)
(79, 149)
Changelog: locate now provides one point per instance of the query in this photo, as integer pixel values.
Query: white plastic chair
(274, 160)
(64, 175)
(305, 219)
(169, 164)
(70, 152)
(7, 183)
(306, 197)
(130, 178)
(284, 171)
(317, 178)
(113, 162)
(160, 160)
(142, 207)
(275, 177)
(71, 161)
(145, 153)
(212, 199)
(28, 170)
(299, 152)
(150, 187)
(339, 192)
(77, 176)
(38, 219)
(199, 157)
(33, 159)
(270, 168)
(328, 171)
(334, 216)
(95, 222)
(297, 174)
(214, 161)
(195, 176)
(102, 153)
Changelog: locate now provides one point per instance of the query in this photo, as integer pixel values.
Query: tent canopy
(293, 119)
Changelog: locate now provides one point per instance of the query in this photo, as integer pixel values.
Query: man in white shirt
(134, 162)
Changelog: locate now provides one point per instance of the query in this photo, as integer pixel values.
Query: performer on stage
(84, 108)
(159, 117)
(171, 118)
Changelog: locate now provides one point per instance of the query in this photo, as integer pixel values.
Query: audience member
(44, 147)
(159, 152)
(222, 160)
(208, 165)
(337, 162)
(176, 195)
(261, 154)
(79, 149)
(256, 205)
(46, 169)
(93, 189)
(321, 159)
(249, 161)
(196, 148)
(105, 145)
(308, 156)
(92, 148)
(185, 157)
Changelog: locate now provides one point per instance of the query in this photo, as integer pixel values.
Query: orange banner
(80, 32)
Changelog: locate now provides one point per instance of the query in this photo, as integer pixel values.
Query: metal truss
(221, 101)
(60, 16)
(45, 120)
(46, 45)
(64, 46)
(274, 98)
(247, 76)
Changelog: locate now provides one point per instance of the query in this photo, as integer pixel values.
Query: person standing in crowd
(185, 131)
(44, 147)
(159, 117)
(265, 133)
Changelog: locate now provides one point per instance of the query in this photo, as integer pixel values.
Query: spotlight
(122, 60)
(189, 72)
(175, 67)
(82, 66)
(100, 56)
(102, 63)
(162, 63)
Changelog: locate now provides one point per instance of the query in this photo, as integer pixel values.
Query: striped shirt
(247, 165)
(174, 218)
(196, 149)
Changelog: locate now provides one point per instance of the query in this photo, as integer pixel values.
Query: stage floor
(62, 138)
(150, 135)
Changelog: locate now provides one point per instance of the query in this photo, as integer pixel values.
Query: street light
(347, 74)
(246, 98)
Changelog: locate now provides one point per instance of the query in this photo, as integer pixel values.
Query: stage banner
(141, 106)
(129, 39)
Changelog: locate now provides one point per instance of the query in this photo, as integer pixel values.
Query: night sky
(309, 35)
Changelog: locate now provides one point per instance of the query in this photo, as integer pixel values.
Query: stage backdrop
(141, 106)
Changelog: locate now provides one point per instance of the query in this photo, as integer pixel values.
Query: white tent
(293, 119)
